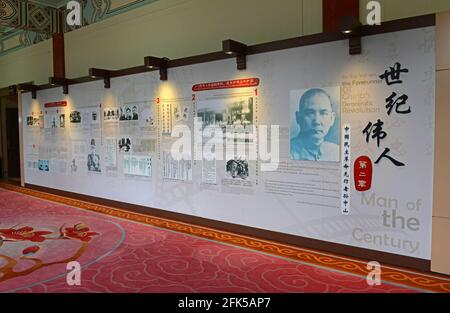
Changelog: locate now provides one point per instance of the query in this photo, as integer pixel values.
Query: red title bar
(56, 104)
(237, 83)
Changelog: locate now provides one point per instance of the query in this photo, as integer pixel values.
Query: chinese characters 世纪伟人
(391, 77)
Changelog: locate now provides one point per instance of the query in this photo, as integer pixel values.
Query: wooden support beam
(59, 66)
(59, 60)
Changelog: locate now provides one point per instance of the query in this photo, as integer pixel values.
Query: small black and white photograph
(150, 121)
(35, 120)
(237, 168)
(185, 113)
(147, 117)
(111, 114)
(129, 113)
(43, 165)
(73, 166)
(89, 116)
(93, 161)
(124, 144)
(62, 120)
(181, 113)
(75, 117)
(228, 112)
(54, 121)
(39, 121)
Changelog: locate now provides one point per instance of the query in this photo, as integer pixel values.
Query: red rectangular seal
(363, 170)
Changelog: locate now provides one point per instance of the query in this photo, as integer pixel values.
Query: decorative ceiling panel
(50, 3)
(26, 15)
(37, 20)
(10, 13)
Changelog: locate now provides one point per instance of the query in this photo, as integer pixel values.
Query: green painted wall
(396, 9)
(172, 28)
(33, 63)
(180, 28)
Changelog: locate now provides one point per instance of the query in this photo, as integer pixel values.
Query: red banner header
(237, 83)
(56, 104)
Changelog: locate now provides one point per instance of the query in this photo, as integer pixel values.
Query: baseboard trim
(383, 258)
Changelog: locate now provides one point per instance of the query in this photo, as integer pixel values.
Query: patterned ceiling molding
(51, 3)
(29, 16)
(9, 13)
(25, 23)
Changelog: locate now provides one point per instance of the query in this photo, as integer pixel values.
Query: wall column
(59, 62)
(22, 162)
(334, 10)
(440, 252)
(3, 139)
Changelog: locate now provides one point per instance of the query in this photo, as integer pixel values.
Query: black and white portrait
(237, 168)
(73, 166)
(93, 161)
(315, 124)
(43, 165)
(75, 117)
(62, 120)
(128, 113)
(111, 114)
(148, 117)
(54, 121)
(124, 144)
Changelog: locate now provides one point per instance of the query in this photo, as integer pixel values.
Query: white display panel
(301, 197)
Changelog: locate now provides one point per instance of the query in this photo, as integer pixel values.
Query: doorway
(10, 140)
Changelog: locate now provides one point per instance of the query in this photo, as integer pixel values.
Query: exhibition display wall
(355, 136)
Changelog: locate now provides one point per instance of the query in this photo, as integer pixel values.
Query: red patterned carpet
(39, 237)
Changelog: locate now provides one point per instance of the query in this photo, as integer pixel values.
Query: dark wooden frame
(160, 64)
(105, 74)
(366, 254)
(238, 50)
(8, 91)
